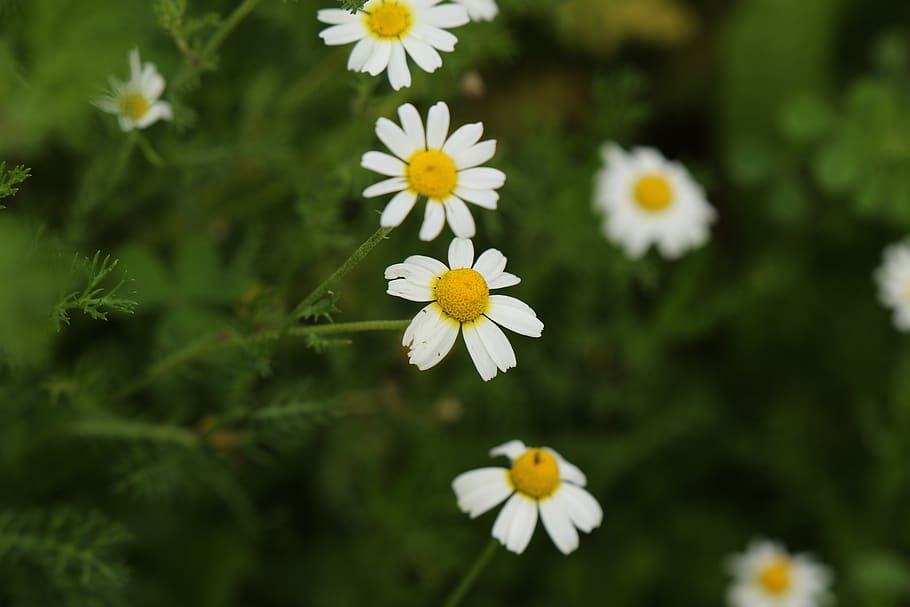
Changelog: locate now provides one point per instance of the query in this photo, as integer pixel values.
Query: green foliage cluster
(187, 418)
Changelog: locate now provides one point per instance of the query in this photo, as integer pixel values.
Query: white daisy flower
(480, 10)
(136, 101)
(893, 278)
(766, 575)
(540, 480)
(647, 200)
(385, 30)
(461, 301)
(429, 164)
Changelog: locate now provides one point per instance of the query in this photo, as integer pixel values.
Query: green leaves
(95, 300)
(10, 179)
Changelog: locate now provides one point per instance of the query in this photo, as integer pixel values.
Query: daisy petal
(399, 74)
(397, 209)
(395, 184)
(512, 449)
(568, 471)
(464, 138)
(360, 54)
(461, 253)
(475, 155)
(395, 139)
(447, 16)
(505, 517)
(336, 16)
(556, 521)
(481, 178)
(490, 264)
(424, 55)
(433, 265)
(487, 199)
(435, 37)
(342, 34)
(383, 164)
(523, 523)
(479, 490)
(515, 315)
(412, 126)
(583, 510)
(379, 60)
(160, 110)
(496, 344)
(433, 220)
(437, 125)
(483, 362)
(406, 289)
(459, 217)
(412, 272)
(503, 280)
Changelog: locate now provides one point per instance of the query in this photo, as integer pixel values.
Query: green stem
(150, 154)
(245, 8)
(227, 340)
(133, 431)
(471, 576)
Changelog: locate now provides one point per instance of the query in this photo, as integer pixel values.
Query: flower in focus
(460, 300)
(385, 30)
(136, 101)
(647, 200)
(427, 163)
(766, 575)
(893, 278)
(480, 10)
(539, 480)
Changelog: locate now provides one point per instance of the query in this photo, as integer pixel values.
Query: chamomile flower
(766, 575)
(136, 102)
(431, 164)
(647, 200)
(385, 30)
(539, 481)
(893, 278)
(480, 10)
(460, 301)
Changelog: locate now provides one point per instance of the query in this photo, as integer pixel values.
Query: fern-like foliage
(10, 179)
(94, 300)
(353, 5)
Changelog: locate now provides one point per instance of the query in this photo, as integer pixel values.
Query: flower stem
(471, 576)
(150, 154)
(245, 8)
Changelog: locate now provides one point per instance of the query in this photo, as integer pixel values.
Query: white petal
(463, 139)
(487, 199)
(490, 264)
(433, 340)
(433, 220)
(481, 178)
(496, 344)
(152, 83)
(483, 362)
(523, 523)
(383, 164)
(479, 490)
(502, 281)
(437, 125)
(399, 74)
(125, 123)
(160, 110)
(504, 519)
(461, 253)
(395, 139)
(424, 55)
(584, 511)
(433, 265)
(475, 155)
(426, 314)
(412, 125)
(395, 184)
(447, 16)
(360, 54)
(515, 315)
(435, 37)
(379, 60)
(412, 272)
(335, 16)
(480, 10)
(459, 217)
(406, 289)
(397, 209)
(512, 449)
(135, 66)
(556, 521)
(568, 471)
(342, 34)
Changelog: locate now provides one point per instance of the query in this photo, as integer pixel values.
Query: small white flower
(461, 301)
(647, 200)
(893, 278)
(540, 480)
(480, 10)
(444, 170)
(385, 30)
(766, 575)
(136, 101)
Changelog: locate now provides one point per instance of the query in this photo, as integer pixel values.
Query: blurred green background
(754, 387)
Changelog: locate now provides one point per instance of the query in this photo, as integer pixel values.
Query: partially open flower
(136, 102)
(766, 575)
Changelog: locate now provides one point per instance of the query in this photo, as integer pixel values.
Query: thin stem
(150, 154)
(227, 340)
(245, 8)
(471, 576)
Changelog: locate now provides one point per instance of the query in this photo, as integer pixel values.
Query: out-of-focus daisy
(766, 575)
(480, 10)
(385, 30)
(461, 301)
(893, 278)
(427, 163)
(136, 102)
(540, 480)
(647, 200)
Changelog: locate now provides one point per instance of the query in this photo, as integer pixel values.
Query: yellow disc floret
(432, 173)
(535, 473)
(389, 20)
(462, 294)
(653, 193)
(776, 577)
(134, 105)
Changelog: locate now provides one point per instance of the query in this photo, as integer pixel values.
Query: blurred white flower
(893, 278)
(385, 30)
(461, 301)
(647, 200)
(428, 163)
(480, 10)
(540, 480)
(136, 101)
(766, 575)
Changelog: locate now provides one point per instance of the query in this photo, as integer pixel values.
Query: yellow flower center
(776, 578)
(432, 173)
(462, 294)
(653, 193)
(389, 20)
(134, 105)
(535, 473)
